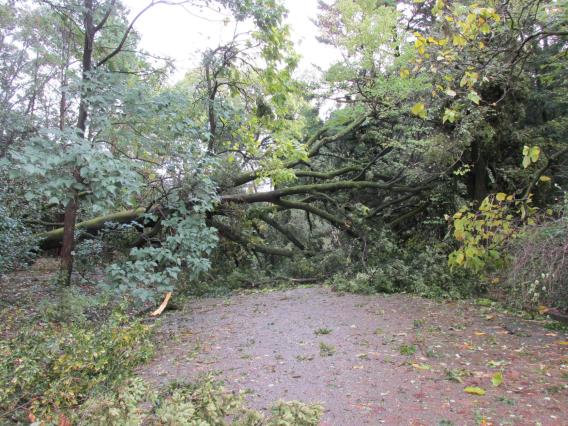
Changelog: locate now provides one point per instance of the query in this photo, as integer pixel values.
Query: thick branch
(273, 196)
(283, 230)
(314, 144)
(326, 175)
(53, 238)
(230, 234)
(334, 220)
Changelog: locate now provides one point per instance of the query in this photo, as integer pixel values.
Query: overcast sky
(181, 32)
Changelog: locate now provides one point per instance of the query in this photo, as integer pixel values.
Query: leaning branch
(52, 239)
(273, 196)
(314, 144)
(228, 233)
(283, 230)
(339, 223)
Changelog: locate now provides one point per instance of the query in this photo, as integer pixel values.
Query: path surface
(269, 343)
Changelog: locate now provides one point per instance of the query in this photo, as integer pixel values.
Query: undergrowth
(203, 403)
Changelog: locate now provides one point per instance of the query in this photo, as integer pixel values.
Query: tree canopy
(438, 109)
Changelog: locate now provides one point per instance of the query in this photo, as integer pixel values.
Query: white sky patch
(181, 33)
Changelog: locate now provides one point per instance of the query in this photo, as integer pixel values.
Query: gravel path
(384, 359)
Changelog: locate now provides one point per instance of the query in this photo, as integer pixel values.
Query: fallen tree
(328, 194)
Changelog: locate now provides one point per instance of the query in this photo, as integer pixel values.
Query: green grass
(407, 350)
(326, 350)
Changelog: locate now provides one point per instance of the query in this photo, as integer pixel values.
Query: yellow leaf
(458, 40)
(544, 178)
(404, 73)
(501, 196)
(474, 390)
(424, 367)
(562, 342)
(542, 309)
(535, 153)
(419, 110)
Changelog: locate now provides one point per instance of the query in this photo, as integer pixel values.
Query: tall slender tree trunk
(478, 181)
(72, 207)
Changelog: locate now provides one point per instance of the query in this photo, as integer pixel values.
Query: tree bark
(72, 206)
(52, 239)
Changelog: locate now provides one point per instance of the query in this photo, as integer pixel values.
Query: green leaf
(449, 115)
(497, 379)
(450, 92)
(474, 390)
(474, 97)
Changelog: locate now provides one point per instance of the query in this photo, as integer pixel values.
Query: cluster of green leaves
(483, 232)
(393, 266)
(462, 32)
(152, 271)
(56, 366)
(17, 244)
(204, 402)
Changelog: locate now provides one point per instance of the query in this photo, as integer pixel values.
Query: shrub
(408, 267)
(57, 366)
(17, 245)
(538, 271)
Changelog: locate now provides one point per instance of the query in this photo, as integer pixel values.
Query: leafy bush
(88, 255)
(538, 270)
(17, 245)
(411, 267)
(56, 366)
(151, 271)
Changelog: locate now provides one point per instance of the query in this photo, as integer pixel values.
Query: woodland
(429, 162)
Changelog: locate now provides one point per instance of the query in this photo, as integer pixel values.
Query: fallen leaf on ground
(424, 367)
(497, 379)
(474, 390)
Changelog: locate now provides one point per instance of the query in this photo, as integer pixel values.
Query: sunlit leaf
(474, 390)
(497, 379)
(419, 110)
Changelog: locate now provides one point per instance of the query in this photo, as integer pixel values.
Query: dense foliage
(430, 159)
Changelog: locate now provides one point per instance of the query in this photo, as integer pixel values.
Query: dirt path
(397, 360)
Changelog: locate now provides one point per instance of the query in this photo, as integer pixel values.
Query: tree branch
(230, 234)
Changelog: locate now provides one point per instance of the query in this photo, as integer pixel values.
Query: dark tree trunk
(478, 181)
(68, 240)
(73, 204)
